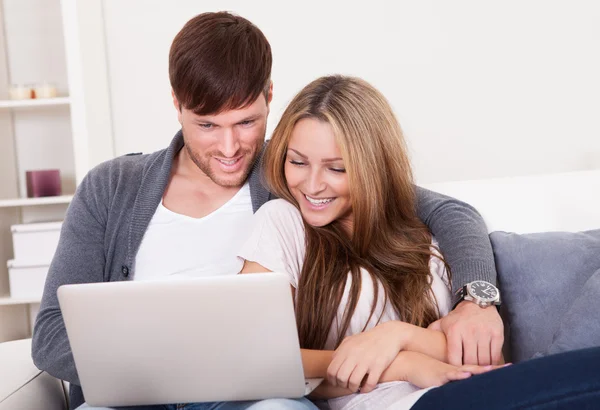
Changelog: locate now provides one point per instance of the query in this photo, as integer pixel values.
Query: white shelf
(7, 300)
(37, 102)
(48, 200)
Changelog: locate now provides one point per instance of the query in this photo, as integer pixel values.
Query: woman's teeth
(315, 201)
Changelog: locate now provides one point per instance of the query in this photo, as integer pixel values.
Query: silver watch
(480, 292)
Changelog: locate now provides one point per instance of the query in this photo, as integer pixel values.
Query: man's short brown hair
(218, 62)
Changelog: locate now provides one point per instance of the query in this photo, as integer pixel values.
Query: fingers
(475, 369)
(496, 347)
(356, 378)
(333, 369)
(343, 374)
(455, 375)
(484, 346)
(470, 350)
(455, 348)
(437, 325)
(371, 382)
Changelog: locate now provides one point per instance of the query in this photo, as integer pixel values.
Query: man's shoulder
(128, 166)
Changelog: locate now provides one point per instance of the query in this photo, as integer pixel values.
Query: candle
(45, 90)
(19, 92)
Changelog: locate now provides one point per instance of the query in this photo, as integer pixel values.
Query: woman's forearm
(422, 340)
(316, 362)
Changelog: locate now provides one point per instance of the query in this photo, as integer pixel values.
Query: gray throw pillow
(541, 277)
(580, 326)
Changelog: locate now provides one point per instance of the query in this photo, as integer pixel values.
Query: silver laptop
(187, 340)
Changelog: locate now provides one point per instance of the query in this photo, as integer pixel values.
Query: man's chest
(176, 244)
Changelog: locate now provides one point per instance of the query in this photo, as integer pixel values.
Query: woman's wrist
(400, 368)
(316, 362)
(402, 333)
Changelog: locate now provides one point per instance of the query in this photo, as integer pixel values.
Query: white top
(176, 245)
(277, 243)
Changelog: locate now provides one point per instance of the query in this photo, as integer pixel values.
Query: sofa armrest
(22, 385)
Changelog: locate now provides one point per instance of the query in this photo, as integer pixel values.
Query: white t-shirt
(176, 245)
(277, 243)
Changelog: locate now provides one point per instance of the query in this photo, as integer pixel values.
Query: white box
(26, 281)
(35, 243)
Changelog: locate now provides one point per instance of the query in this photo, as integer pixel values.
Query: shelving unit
(50, 200)
(40, 102)
(60, 42)
(8, 301)
(34, 134)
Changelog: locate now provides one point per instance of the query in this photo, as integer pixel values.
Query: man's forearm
(51, 351)
(462, 236)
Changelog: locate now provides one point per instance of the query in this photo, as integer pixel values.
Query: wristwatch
(480, 292)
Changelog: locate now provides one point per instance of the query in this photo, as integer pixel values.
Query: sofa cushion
(580, 327)
(22, 385)
(541, 277)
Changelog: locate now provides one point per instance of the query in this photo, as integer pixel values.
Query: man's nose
(231, 143)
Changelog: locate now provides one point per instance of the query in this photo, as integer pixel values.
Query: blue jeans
(269, 404)
(563, 381)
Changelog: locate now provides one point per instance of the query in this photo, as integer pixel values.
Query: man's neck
(191, 192)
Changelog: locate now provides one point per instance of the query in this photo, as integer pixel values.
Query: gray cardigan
(111, 210)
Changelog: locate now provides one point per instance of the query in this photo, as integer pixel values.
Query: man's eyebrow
(249, 118)
(200, 120)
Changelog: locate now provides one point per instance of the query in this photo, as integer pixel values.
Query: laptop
(220, 338)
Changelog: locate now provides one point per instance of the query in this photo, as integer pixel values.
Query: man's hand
(474, 335)
(368, 353)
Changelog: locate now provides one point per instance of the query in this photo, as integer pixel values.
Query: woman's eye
(298, 163)
(340, 170)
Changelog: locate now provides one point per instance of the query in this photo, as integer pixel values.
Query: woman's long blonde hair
(388, 239)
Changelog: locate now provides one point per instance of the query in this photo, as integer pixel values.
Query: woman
(366, 275)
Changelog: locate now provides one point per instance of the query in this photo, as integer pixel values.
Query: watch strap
(459, 296)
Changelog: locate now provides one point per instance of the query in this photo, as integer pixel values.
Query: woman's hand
(366, 354)
(424, 371)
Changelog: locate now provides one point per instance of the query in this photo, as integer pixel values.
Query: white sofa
(22, 385)
(559, 202)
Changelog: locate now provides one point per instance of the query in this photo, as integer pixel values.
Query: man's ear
(177, 106)
(270, 94)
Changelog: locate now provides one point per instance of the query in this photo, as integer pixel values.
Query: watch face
(484, 291)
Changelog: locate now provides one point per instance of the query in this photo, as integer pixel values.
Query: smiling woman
(366, 274)
(316, 175)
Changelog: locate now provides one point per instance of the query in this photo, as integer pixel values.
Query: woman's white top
(277, 243)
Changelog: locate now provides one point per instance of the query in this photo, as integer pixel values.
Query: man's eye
(247, 123)
(205, 126)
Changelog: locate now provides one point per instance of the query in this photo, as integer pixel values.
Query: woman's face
(316, 176)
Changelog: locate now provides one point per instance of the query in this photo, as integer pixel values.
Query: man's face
(225, 146)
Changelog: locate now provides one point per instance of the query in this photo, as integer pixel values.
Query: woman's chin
(316, 222)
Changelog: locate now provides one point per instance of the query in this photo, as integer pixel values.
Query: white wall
(482, 89)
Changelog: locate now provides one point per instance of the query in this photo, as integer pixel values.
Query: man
(186, 209)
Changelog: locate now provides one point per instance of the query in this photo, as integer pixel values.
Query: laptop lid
(182, 341)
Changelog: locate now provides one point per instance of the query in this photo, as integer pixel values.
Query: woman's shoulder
(279, 209)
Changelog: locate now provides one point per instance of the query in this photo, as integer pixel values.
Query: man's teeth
(318, 201)
(233, 161)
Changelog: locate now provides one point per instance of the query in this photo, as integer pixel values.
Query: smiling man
(185, 210)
